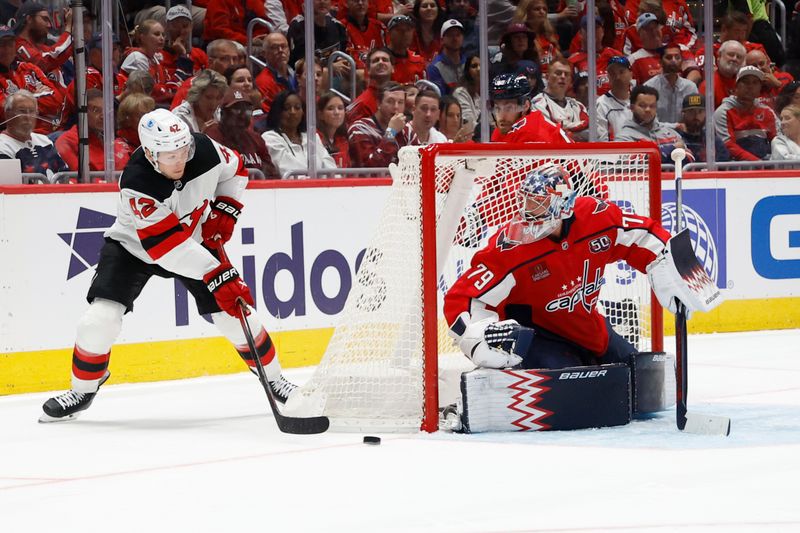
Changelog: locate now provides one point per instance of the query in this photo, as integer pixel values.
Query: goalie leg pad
(535, 400)
(653, 382)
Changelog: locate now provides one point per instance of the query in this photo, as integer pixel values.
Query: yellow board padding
(743, 315)
(50, 370)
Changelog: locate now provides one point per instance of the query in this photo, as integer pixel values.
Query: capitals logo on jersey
(581, 294)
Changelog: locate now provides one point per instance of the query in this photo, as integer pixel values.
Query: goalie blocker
(568, 398)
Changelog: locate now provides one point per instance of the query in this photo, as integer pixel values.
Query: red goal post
(381, 370)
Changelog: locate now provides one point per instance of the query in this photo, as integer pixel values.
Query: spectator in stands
(614, 107)
(33, 27)
(319, 75)
(774, 79)
(468, 92)
(286, 137)
(149, 37)
(240, 78)
(559, 108)
(67, 144)
(408, 66)
(447, 67)
(734, 26)
(646, 61)
(222, 53)
(179, 54)
(464, 11)
(277, 76)
(693, 118)
(580, 59)
(450, 122)
(786, 145)
(36, 153)
(373, 140)
(411, 90)
(332, 128)
(380, 66)
(16, 75)
(140, 81)
(671, 87)
(228, 19)
(564, 21)
(421, 129)
(761, 31)
(330, 36)
(234, 131)
(158, 12)
(533, 13)
(131, 109)
(731, 59)
(644, 125)
(429, 18)
(199, 110)
(364, 32)
(790, 94)
(745, 126)
(518, 55)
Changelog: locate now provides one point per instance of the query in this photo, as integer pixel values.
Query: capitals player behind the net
(179, 199)
(541, 275)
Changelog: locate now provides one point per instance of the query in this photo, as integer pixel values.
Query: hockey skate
(69, 405)
(282, 388)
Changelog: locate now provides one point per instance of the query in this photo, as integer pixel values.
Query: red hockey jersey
(558, 280)
(533, 127)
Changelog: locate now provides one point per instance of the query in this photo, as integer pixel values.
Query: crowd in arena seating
(406, 72)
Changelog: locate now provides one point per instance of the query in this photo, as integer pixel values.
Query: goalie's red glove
(218, 227)
(226, 286)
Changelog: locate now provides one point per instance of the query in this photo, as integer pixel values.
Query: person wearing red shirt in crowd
(332, 128)
(94, 74)
(533, 13)
(380, 66)
(679, 22)
(149, 36)
(516, 122)
(731, 59)
(408, 66)
(33, 26)
(179, 55)
(234, 131)
(17, 75)
(383, 10)
(580, 60)
(646, 61)
(67, 143)
(228, 19)
(375, 140)
(222, 54)
(365, 33)
(429, 17)
(774, 79)
(277, 76)
(734, 26)
(745, 126)
(132, 107)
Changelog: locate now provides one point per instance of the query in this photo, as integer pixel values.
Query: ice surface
(204, 455)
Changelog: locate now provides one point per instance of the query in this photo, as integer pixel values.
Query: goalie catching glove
(227, 287)
(496, 344)
(676, 274)
(218, 227)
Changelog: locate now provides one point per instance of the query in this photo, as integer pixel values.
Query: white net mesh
(371, 375)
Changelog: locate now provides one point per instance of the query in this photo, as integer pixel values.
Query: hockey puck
(374, 441)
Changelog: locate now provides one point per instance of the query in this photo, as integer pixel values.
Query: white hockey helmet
(162, 131)
(545, 197)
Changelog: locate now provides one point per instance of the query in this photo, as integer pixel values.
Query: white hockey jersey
(571, 116)
(159, 220)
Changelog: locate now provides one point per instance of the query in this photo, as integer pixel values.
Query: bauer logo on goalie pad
(583, 375)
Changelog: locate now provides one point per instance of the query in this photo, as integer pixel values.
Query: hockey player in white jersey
(179, 199)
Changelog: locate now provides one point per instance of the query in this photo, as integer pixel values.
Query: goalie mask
(545, 198)
(166, 140)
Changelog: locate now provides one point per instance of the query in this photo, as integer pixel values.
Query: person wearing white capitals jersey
(179, 200)
(541, 274)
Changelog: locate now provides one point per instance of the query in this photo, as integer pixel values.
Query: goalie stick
(686, 421)
(287, 424)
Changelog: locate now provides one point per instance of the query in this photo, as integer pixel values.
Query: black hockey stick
(688, 422)
(287, 424)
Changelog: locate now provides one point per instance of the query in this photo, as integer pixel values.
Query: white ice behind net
(371, 375)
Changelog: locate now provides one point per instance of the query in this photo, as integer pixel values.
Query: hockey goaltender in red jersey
(529, 298)
(179, 200)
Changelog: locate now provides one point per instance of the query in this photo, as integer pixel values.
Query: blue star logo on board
(86, 240)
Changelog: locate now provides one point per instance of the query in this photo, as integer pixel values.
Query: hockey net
(382, 367)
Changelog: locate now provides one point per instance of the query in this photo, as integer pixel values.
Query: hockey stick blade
(700, 424)
(287, 424)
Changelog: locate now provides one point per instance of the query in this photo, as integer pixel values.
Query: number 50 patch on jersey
(600, 244)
